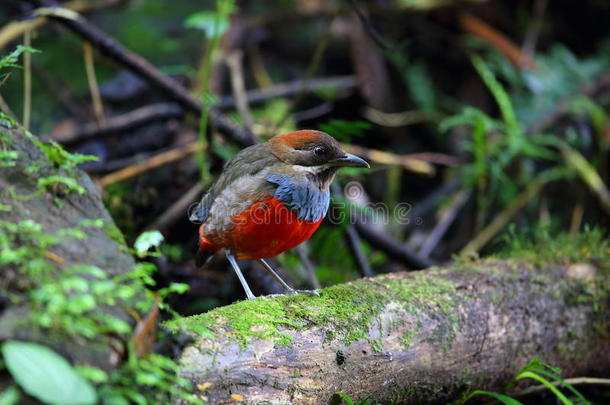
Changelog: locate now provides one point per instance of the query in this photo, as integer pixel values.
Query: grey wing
(249, 161)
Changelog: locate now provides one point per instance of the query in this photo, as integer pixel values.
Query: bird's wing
(249, 161)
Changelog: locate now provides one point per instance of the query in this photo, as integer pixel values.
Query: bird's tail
(202, 257)
(206, 249)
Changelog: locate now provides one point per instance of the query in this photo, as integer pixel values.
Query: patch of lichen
(544, 249)
(346, 311)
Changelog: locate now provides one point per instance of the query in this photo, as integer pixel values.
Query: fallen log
(410, 338)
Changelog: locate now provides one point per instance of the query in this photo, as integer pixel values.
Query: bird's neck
(323, 178)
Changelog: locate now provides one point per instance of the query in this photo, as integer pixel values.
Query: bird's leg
(284, 284)
(240, 276)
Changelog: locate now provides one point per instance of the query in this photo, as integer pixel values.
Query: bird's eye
(320, 150)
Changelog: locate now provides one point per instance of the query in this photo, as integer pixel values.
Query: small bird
(270, 197)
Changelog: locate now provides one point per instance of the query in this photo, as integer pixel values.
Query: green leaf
(545, 382)
(209, 22)
(52, 181)
(146, 240)
(500, 397)
(11, 59)
(345, 398)
(45, 375)
(496, 89)
(10, 396)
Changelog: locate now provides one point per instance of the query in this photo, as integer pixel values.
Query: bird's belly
(266, 229)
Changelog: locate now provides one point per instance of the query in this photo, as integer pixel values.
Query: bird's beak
(350, 160)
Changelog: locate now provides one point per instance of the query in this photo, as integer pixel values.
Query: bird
(269, 198)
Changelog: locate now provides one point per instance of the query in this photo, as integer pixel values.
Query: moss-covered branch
(423, 337)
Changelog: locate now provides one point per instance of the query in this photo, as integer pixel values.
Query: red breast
(266, 229)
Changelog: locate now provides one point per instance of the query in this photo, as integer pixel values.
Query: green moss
(406, 338)
(346, 312)
(545, 248)
(114, 233)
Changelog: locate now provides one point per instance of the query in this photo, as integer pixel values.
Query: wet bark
(54, 208)
(426, 336)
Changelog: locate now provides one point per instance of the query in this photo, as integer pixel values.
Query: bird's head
(314, 153)
(314, 150)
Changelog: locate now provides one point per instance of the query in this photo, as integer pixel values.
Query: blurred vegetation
(490, 119)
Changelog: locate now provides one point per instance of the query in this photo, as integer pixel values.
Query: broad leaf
(45, 375)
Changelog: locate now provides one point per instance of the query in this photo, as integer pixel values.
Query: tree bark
(55, 208)
(410, 338)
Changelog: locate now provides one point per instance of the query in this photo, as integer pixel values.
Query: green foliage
(60, 185)
(504, 159)
(10, 396)
(341, 397)
(505, 399)
(46, 375)
(558, 74)
(544, 245)
(68, 302)
(10, 60)
(148, 380)
(541, 372)
(147, 240)
(61, 158)
(8, 158)
(212, 23)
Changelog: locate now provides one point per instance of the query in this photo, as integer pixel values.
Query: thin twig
(391, 247)
(178, 209)
(373, 33)
(311, 69)
(533, 30)
(447, 217)
(27, 80)
(151, 163)
(397, 119)
(234, 62)
(571, 381)
(302, 251)
(577, 214)
(501, 42)
(416, 162)
(109, 47)
(5, 108)
(509, 212)
(123, 123)
(257, 66)
(96, 98)
(165, 111)
(354, 244)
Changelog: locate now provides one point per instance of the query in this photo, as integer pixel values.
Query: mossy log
(409, 338)
(52, 206)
